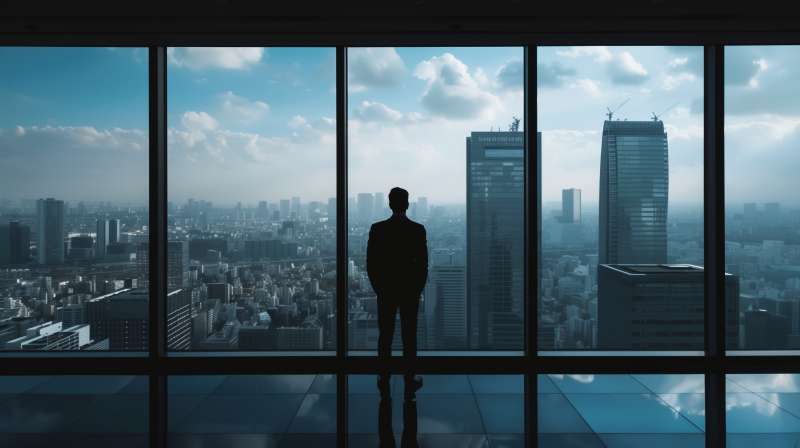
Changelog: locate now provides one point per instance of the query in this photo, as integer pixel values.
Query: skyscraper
(107, 233)
(296, 207)
(50, 231)
(634, 193)
(570, 220)
(177, 264)
(263, 212)
(422, 207)
(378, 211)
(285, 209)
(366, 204)
(495, 230)
(123, 317)
(15, 244)
(332, 209)
(179, 323)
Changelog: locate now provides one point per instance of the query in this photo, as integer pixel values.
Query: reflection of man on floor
(397, 265)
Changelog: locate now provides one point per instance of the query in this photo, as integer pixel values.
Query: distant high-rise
(263, 212)
(296, 206)
(378, 211)
(179, 319)
(15, 244)
(422, 207)
(765, 331)
(122, 317)
(634, 193)
(143, 261)
(219, 291)
(107, 233)
(772, 209)
(352, 208)
(495, 229)
(570, 206)
(332, 208)
(285, 209)
(177, 264)
(50, 231)
(750, 213)
(366, 204)
(449, 294)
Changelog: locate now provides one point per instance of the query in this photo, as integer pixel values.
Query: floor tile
(691, 406)
(562, 440)
(654, 440)
(119, 414)
(308, 440)
(451, 441)
(762, 440)
(317, 414)
(223, 440)
(629, 413)
(673, 384)
(730, 386)
(323, 384)
(35, 413)
(265, 384)
(366, 384)
(179, 407)
(787, 401)
(749, 413)
(15, 384)
(785, 382)
(369, 440)
(598, 384)
(243, 414)
(506, 440)
(28, 440)
(497, 384)
(6, 397)
(437, 385)
(502, 413)
(362, 413)
(557, 415)
(544, 385)
(84, 384)
(441, 414)
(63, 440)
(193, 384)
(139, 387)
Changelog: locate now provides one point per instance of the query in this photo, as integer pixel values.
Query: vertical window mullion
(532, 248)
(341, 245)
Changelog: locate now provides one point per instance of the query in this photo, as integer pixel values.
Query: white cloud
(622, 68)
(588, 85)
(198, 58)
(511, 75)
(242, 107)
(199, 121)
(683, 133)
(671, 82)
(775, 131)
(678, 62)
(762, 66)
(452, 93)
(601, 52)
(296, 121)
(644, 90)
(380, 113)
(375, 68)
(201, 81)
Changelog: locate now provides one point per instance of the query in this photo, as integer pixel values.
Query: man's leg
(408, 331)
(387, 310)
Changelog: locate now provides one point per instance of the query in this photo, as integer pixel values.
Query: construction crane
(655, 117)
(611, 112)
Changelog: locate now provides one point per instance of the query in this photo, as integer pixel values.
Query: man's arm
(373, 263)
(421, 258)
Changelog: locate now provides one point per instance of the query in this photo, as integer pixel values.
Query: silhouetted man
(397, 265)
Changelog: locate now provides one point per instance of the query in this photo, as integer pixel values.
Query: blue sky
(577, 84)
(74, 124)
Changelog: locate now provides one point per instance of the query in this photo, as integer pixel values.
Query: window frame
(715, 363)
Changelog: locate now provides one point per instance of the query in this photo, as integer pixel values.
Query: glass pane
(448, 410)
(762, 410)
(621, 198)
(621, 410)
(260, 410)
(75, 410)
(418, 121)
(252, 212)
(762, 212)
(74, 215)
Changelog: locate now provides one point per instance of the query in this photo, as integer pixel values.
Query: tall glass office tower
(495, 239)
(50, 231)
(634, 190)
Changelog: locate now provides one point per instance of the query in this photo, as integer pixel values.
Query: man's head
(398, 199)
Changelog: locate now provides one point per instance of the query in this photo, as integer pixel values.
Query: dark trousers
(387, 310)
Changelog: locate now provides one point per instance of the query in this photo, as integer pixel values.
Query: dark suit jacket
(397, 257)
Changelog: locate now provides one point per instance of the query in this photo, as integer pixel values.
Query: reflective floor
(763, 410)
(448, 411)
(74, 411)
(621, 411)
(251, 411)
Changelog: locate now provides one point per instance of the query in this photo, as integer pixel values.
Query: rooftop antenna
(655, 117)
(610, 113)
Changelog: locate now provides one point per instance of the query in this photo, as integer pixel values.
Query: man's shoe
(412, 386)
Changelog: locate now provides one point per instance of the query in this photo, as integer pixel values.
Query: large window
(762, 211)
(445, 125)
(74, 213)
(252, 183)
(621, 262)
